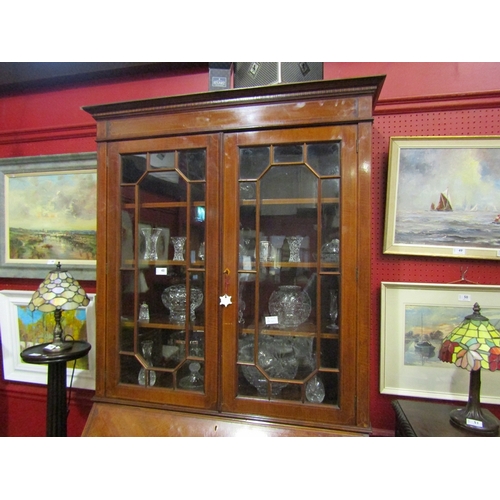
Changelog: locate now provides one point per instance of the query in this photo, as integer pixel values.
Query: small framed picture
(21, 328)
(415, 318)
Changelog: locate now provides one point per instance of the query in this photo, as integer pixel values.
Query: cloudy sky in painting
(427, 319)
(472, 177)
(56, 201)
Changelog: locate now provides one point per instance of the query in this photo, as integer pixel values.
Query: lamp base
(475, 420)
(57, 347)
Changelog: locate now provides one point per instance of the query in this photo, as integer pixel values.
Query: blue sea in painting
(464, 229)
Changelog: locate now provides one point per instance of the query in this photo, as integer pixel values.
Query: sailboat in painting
(444, 203)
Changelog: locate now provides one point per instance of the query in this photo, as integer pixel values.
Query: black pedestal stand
(57, 410)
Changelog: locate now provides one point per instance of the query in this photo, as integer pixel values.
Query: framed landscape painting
(49, 206)
(443, 197)
(415, 318)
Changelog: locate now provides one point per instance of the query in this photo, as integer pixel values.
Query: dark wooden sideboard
(422, 419)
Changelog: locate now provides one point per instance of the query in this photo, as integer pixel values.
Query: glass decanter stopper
(144, 312)
(193, 381)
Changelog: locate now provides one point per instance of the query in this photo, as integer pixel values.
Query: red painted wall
(51, 122)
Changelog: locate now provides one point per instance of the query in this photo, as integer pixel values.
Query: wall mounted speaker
(255, 74)
(219, 75)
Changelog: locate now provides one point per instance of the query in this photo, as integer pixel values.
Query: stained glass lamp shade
(58, 292)
(473, 345)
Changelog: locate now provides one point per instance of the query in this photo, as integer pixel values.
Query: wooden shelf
(304, 330)
(162, 325)
(289, 201)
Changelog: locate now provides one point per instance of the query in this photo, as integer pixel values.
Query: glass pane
(162, 298)
(324, 157)
(173, 348)
(291, 181)
(197, 192)
(330, 188)
(253, 161)
(197, 298)
(246, 308)
(192, 163)
(133, 168)
(196, 344)
(128, 237)
(330, 233)
(288, 153)
(330, 351)
(330, 302)
(127, 337)
(191, 376)
(248, 190)
(247, 246)
(197, 234)
(165, 159)
(127, 294)
(330, 381)
(289, 274)
(129, 369)
(160, 186)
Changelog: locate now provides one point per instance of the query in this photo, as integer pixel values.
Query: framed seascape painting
(20, 328)
(48, 215)
(415, 318)
(443, 197)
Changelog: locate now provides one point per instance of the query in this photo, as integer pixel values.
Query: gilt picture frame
(443, 197)
(415, 317)
(21, 328)
(48, 215)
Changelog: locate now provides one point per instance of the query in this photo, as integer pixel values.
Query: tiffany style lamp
(57, 293)
(473, 345)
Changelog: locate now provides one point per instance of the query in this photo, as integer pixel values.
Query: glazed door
(289, 265)
(163, 226)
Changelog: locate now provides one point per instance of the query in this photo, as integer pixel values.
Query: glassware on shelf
(178, 242)
(264, 251)
(330, 251)
(276, 243)
(246, 248)
(333, 311)
(303, 347)
(174, 299)
(144, 312)
(196, 344)
(276, 356)
(151, 236)
(241, 309)
(193, 381)
(175, 349)
(147, 352)
(294, 243)
(315, 390)
(201, 251)
(291, 305)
